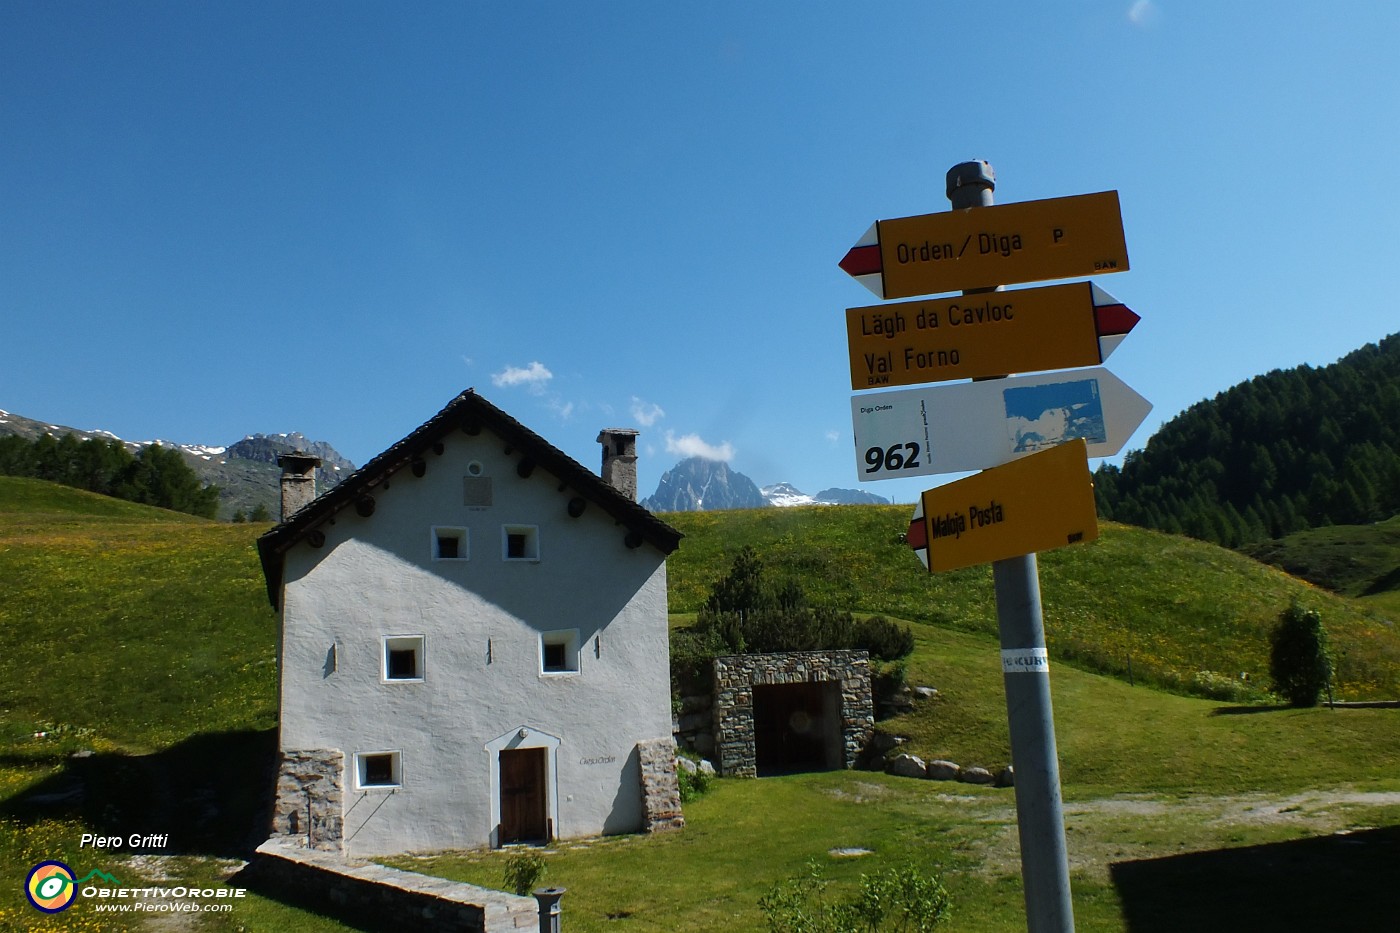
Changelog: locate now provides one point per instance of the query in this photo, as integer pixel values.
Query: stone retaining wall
(736, 676)
(376, 897)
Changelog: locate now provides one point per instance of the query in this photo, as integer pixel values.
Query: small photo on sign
(1048, 415)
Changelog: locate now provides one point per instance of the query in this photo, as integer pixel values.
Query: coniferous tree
(160, 477)
(1299, 663)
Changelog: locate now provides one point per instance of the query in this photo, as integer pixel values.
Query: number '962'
(893, 457)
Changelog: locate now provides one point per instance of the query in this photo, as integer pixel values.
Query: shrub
(895, 899)
(1216, 686)
(692, 650)
(762, 631)
(692, 783)
(885, 640)
(524, 869)
(887, 679)
(744, 614)
(1298, 661)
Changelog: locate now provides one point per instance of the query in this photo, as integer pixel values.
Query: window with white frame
(378, 769)
(450, 543)
(559, 652)
(520, 542)
(402, 658)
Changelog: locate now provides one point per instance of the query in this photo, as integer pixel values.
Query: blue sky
(221, 218)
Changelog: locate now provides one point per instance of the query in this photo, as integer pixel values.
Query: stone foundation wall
(661, 792)
(736, 676)
(310, 792)
(377, 898)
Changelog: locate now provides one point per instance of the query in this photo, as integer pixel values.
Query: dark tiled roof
(471, 413)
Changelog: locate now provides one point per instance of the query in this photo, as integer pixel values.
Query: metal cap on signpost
(548, 900)
(970, 184)
(1039, 811)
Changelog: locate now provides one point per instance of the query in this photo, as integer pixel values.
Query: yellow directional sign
(982, 247)
(1037, 503)
(987, 334)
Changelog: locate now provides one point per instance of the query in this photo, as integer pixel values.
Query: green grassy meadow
(141, 642)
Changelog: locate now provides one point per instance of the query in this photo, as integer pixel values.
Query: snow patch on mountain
(784, 495)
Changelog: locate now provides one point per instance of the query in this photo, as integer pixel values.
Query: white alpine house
(474, 644)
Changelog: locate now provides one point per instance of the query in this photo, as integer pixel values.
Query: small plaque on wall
(476, 491)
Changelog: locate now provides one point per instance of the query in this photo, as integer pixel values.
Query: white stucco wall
(481, 620)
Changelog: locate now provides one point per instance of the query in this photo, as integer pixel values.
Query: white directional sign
(960, 427)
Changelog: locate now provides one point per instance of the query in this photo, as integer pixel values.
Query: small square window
(378, 769)
(450, 543)
(520, 542)
(555, 657)
(559, 652)
(403, 658)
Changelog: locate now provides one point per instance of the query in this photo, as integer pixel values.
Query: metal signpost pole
(1039, 815)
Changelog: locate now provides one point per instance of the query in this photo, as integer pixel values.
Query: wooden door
(524, 803)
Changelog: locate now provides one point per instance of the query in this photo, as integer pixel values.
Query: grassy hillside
(1356, 560)
(139, 624)
(1183, 614)
(142, 641)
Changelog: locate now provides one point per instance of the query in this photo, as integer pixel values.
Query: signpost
(979, 425)
(1033, 434)
(1038, 503)
(961, 249)
(990, 334)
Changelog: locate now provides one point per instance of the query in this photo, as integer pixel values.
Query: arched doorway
(524, 787)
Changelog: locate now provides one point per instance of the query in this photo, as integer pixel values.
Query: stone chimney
(298, 481)
(620, 460)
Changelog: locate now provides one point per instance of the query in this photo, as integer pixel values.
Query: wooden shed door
(524, 808)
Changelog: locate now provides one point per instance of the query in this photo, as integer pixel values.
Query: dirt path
(1131, 827)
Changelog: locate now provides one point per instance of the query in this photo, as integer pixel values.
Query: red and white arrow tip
(863, 263)
(1112, 319)
(917, 536)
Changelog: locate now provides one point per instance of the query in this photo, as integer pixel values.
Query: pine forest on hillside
(1286, 451)
(155, 476)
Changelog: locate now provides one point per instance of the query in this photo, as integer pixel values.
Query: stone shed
(795, 711)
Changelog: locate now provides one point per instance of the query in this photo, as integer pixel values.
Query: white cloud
(534, 377)
(1142, 13)
(691, 445)
(832, 436)
(646, 413)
